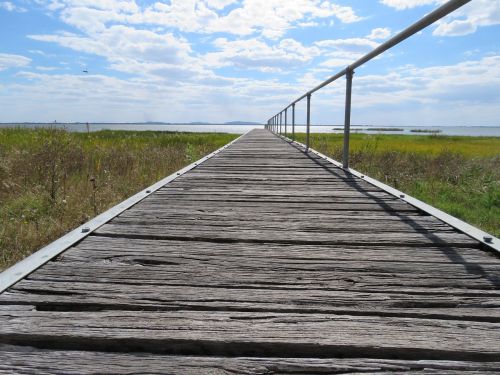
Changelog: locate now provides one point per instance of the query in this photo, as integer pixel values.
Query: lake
(475, 131)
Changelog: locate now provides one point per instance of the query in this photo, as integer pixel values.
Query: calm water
(485, 131)
(473, 131)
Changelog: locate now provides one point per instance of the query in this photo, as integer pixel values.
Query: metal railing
(275, 123)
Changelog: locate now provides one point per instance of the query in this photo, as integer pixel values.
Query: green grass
(52, 181)
(459, 175)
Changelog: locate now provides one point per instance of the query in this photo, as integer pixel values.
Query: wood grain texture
(262, 260)
(28, 360)
(228, 333)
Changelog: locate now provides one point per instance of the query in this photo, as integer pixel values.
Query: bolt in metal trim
(29, 264)
(485, 238)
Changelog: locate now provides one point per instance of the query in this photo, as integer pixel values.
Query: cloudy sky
(224, 60)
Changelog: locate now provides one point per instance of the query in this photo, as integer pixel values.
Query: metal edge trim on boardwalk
(485, 238)
(29, 264)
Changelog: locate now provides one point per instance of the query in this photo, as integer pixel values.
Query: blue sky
(223, 60)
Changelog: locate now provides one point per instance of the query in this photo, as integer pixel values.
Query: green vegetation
(459, 175)
(431, 131)
(385, 129)
(52, 180)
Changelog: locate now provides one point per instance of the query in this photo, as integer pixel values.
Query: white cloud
(119, 42)
(7, 5)
(95, 98)
(465, 83)
(13, 61)
(336, 60)
(455, 28)
(342, 52)
(438, 95)
(447, 94)
(379, 33)
(129, 6)
(142, 53)
(271, 18)
(307, 24)
(219, 4)
(257, 54)
(352, 44)
(469, 18)
(463, 21)
(133, 39)
(37, 52)
(407, 4)
(48, 68)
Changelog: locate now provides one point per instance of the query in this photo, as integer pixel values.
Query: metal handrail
(275, 122)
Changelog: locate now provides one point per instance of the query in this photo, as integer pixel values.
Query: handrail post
(286, 114)
(293, 121)
(347, 119)
(281, 120)
(308, 120)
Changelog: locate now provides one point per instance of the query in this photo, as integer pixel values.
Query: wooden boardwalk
(262, 260)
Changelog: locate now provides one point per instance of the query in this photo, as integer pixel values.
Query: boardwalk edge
(462, 226)
(29, 264)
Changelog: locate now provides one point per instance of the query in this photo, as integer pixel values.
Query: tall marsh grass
(459, 175)
(52, 180)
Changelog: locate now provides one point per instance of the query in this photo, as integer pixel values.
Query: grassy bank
(52, 181)
(459, 175)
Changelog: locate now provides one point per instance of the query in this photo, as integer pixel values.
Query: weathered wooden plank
(280, 213)
(221, 333)
(307, 215)
(103, 248)
(327, 223)
(386, 204)
(185, 224)
(272, 192)
(153, 231)
(305, 265)
(385, 201)
(367, 282)
(32, 360)
(94, 296)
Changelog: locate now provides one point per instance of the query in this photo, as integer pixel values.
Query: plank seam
(201, 238)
